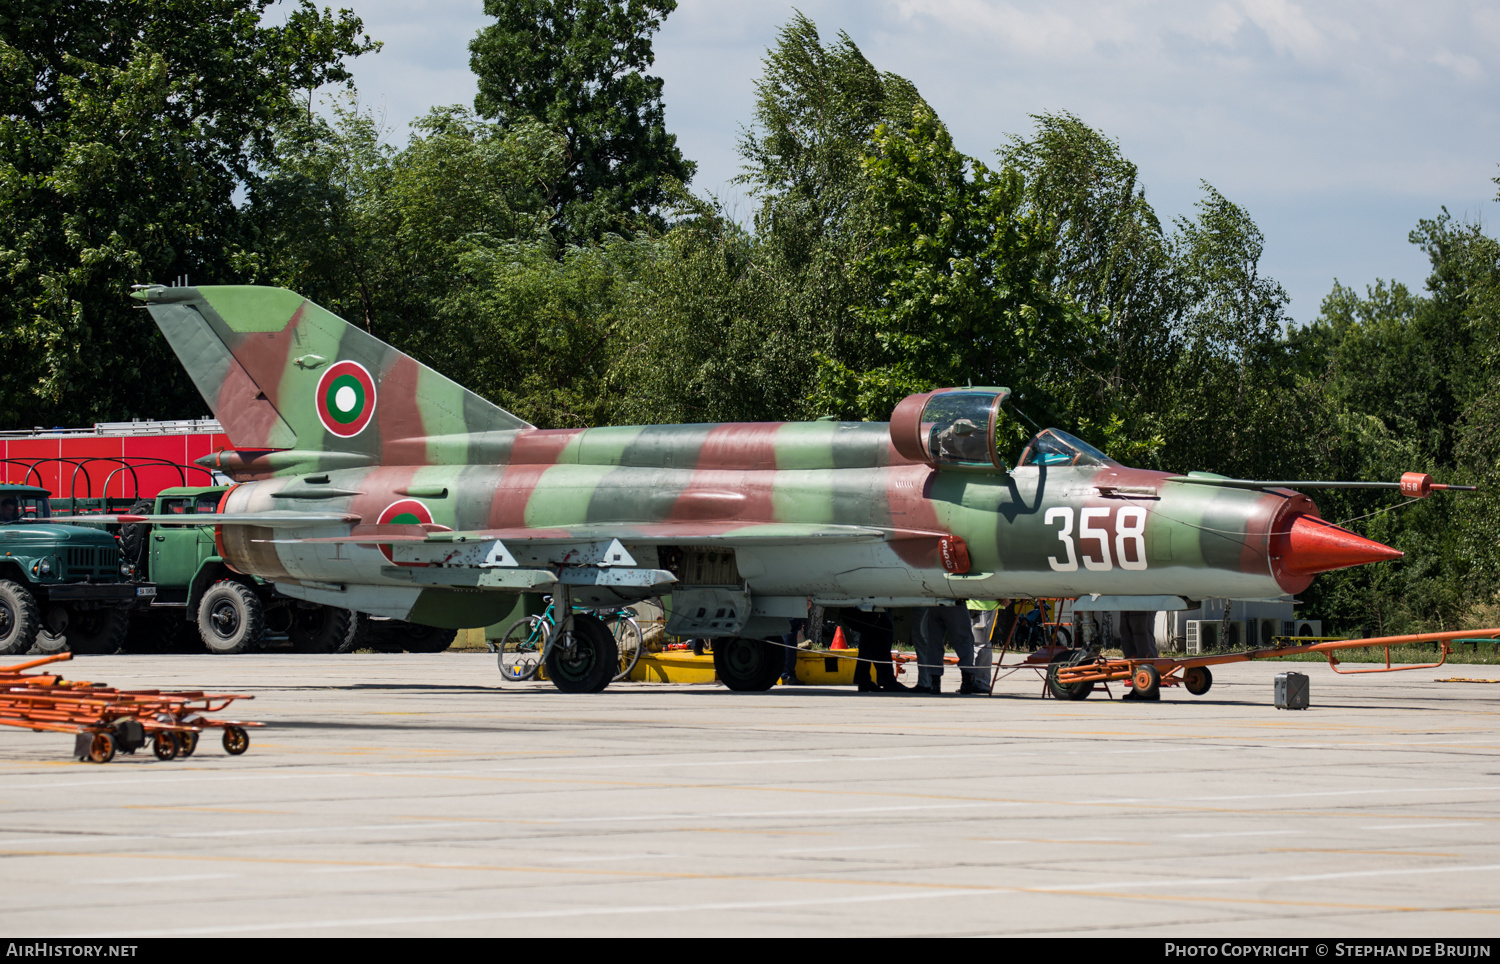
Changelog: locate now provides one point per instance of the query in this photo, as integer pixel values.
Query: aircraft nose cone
(1313, 545)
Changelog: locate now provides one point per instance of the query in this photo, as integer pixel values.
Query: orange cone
(838, 639)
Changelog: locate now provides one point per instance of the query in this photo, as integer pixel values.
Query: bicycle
(523, 645)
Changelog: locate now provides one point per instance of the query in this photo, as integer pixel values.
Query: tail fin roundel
(279, 372)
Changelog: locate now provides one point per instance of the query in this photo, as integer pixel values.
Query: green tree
(127, 129)
(1112, 258)
(576, 66)
(961, 271)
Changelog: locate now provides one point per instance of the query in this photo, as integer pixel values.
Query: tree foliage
(126, 130)
(576, 67)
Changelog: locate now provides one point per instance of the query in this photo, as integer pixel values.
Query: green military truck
(233, 613)
(61, 586)
(195, 590)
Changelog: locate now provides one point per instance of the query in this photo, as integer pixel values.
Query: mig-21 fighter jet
(370, 482)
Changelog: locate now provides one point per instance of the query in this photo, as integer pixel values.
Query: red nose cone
(1316, 545)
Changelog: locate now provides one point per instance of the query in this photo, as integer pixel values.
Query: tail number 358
(1094, 531)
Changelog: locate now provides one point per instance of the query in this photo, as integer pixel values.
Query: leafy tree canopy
(127, 127)
(576, 66)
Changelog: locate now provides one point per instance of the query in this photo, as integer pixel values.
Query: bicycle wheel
(521, 648)
(627, 634)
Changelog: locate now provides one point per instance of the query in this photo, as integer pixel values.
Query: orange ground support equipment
(106, 720)
(1075, 678)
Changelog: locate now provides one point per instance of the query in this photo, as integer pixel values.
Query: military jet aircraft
(370, 482)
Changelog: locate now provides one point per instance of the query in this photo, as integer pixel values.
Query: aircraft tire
(1072, 691)
(1197, 679)
(747, 665)
(589, 663)
(20, 619)
(320, 629)
(231, 618)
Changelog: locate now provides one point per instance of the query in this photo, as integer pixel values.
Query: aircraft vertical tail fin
(279, 372)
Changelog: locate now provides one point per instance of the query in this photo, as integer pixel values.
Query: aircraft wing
(645, 533)
(274, 519)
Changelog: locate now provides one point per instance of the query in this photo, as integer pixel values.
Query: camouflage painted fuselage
(325, 417)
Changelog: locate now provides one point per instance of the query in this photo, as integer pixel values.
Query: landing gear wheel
(1197, 679)
(19, 618)
(583, 660)
(187, 742)
(1147, 682)
(747, 665)
(1067, 691)
(231, 618)
(236, 740)
(319, 629)
(164, 745)
(627, 634)
(96, 632)
(102, 748)
(521, 648)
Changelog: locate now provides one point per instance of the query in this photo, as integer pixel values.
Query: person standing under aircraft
(940, 624)
(875, 636)
(982, 613)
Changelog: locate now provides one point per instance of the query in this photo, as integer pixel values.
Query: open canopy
(1053, 446)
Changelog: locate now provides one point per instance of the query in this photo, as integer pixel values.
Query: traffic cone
(838, 639)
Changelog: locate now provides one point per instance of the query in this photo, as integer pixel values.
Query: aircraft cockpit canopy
(950, 427)
(1053, 446)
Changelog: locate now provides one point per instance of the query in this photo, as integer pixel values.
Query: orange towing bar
(1075, 680)
(105, 718)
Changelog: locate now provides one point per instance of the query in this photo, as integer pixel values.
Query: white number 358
(1129, 532)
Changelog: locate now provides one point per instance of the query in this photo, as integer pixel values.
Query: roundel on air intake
(346, 399)
(403, 512)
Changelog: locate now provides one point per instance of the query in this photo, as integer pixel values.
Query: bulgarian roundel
(404, 512)
(346, 398)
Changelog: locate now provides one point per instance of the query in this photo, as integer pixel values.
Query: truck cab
(232, 613)
(61, 586)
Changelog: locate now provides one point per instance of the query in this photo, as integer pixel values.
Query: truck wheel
(19, 618)
(230, 617)
(133, 534)
(52, 635)
(320, 629)
(96, 632)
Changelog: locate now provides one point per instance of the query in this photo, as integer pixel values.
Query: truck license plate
(145, 590)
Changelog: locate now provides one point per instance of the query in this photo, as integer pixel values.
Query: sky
(1336, 125)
